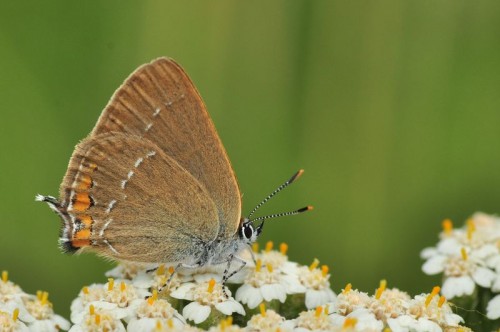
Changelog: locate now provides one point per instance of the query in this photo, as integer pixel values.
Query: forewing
(160, 103)
(127, 199)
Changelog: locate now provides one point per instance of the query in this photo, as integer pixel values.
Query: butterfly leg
(153, 269)
(252, 254)
(160, 289)
(228, 275)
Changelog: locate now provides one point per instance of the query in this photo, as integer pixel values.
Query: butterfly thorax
(216, 252)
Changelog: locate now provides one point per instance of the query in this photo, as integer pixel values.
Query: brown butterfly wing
(160, 103)
(127, 199)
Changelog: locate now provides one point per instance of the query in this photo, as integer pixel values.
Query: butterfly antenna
(277, 215)
(280, 188)
(284, 214)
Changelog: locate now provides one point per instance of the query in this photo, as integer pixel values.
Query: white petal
(495, 287)
(457, 286)
(313, 298)
(201, 278)
(483, 277)
(273, 292)
(494, 262)
(61, 322)
(183, 292)
(401, 324)
(12, 305)
(230, 306)
(434, 265)
(292, 284)
(485, 251)
(366, 320)
(428, 252)
(336, 319)
(290, 268)
(143, 280)
(453, 319)
(493, 308)
(143, 324)
(425, 325)
(249, 295)
(255, 299)
(449, 247)
(76, 328)
(196, 312)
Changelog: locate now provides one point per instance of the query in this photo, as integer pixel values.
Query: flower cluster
(469, 258)
(394, 309)
(20, 311)
(271, 294)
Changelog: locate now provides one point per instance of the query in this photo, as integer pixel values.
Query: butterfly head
(247, 232)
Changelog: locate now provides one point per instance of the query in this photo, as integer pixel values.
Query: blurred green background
(391, 107)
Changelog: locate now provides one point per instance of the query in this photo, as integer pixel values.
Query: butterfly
(152, 182)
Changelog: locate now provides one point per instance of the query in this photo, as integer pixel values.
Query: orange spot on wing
(81, 202)
(80, 243)
(86, 220)
(85, 182)
(83, 234)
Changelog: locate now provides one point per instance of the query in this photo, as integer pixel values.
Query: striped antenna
(271, 195)
(283, 214)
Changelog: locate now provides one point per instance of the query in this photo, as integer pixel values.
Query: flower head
(153, 310)
(266, 283)
(120, 298)
(314, 320)
(349, 300)
(40, 308)
(268, 320)
(9, 322)
(315, 280)
(389, 303)
(204, 297)
(465, 256)
(98, 319)
(433, 308)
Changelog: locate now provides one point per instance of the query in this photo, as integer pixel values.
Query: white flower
(154, 310)
(277, 259)
(87, 295)
(313, 320)
(389, 303)
(10, 322)
(434, 308)
(463, 262)
(44, 317)
(361, 319)
(10, 292)
(160, 278)
(269, 320)
(206, 296)
(349, 300)
(267, 284)
(317, 286)
(98, 319)
(121, 300)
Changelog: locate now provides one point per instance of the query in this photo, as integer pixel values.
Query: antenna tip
(304, 209)
(296, 175)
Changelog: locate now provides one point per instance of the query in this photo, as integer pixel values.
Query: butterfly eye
(247, 231)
